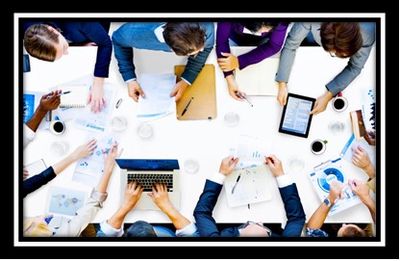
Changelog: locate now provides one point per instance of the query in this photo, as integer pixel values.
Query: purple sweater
(234, 31)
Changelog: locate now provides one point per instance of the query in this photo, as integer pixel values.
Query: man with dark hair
(342, 40)
(267, 36)
(294, 210)
(113, 227)
(195, 40)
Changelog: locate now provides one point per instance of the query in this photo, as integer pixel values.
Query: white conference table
(206, 141)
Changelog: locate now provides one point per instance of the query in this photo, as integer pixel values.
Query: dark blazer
(35, 182)
(84, 32)
(207, 226)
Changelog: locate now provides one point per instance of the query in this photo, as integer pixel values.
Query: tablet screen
(296, 118)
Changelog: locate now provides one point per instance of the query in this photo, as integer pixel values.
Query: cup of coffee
(318, 146)
(57, 127)
(339, 104)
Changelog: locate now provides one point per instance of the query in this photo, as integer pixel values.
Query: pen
(65, 92)
(237, 180)
(187, 106)
(243, 97)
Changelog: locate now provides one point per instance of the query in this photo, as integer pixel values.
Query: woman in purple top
(268, 36)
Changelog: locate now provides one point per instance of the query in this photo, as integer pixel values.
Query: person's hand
(25, 174)
(84, 150)
(360, 189)
(179, 89)
(159, 195)
(228, 164)
(233, 89)
(96, 95)
(229, 63)
(335, 191)
(275, 165)
(109, 160)
(321, 103)
(134, 90)
(360, 158)
(282, 93)
(50, 101)
(133, 192)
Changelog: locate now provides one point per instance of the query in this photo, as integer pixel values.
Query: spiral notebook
(75, 96)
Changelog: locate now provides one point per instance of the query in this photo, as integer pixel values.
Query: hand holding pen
(243, 96)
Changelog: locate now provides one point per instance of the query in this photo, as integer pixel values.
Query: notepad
(259, 78)
(253, 186)
(77, 96)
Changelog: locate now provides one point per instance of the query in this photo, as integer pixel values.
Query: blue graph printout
(297, 115)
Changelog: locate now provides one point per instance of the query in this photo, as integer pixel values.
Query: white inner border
(382, 84)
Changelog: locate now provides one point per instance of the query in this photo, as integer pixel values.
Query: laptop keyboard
(148, 179)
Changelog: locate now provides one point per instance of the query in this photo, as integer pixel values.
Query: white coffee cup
(57, 127)
(318, 146)
(339, 104)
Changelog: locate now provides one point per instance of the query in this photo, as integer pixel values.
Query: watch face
(327, 202)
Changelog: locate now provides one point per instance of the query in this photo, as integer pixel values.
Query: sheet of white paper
(157, 102)
(89, 170)
(91, 121)
(252, 187)
(250, 151)
(65, 202)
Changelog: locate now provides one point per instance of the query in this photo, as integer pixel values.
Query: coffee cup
(318, 146)
(339, 104)
(57, 127)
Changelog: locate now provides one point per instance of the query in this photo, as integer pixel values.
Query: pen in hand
(187, 106)
(238, 94)
(237, 180)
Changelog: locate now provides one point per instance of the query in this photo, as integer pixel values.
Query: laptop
(147, 172)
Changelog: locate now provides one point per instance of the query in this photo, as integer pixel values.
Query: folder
(199, 100)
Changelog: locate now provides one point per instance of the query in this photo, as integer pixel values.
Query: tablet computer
(296, 117)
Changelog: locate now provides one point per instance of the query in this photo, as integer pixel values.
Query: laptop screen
(148, 164)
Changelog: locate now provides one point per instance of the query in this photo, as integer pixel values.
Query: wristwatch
(327, 202)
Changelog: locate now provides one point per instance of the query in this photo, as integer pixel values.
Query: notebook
(259, 79)
(248, 185)
(75, 97)
(198, 102)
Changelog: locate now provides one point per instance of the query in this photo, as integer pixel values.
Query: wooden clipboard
(203, 105)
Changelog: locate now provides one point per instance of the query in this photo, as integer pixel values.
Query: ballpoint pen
(243, 97)
(237, 180)
(187, 106)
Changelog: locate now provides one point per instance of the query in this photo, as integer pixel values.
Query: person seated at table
(113, 227)
(342, 40)
(195, 40)
(35, 182)
(207, 226)
(266, 35)
(43, 226)
(313, 228)
(47, 103)
(50, 41)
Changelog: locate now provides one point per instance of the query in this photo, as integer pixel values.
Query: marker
(237, 180)
(187, 106)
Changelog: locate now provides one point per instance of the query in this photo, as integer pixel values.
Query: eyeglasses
(269, 232)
